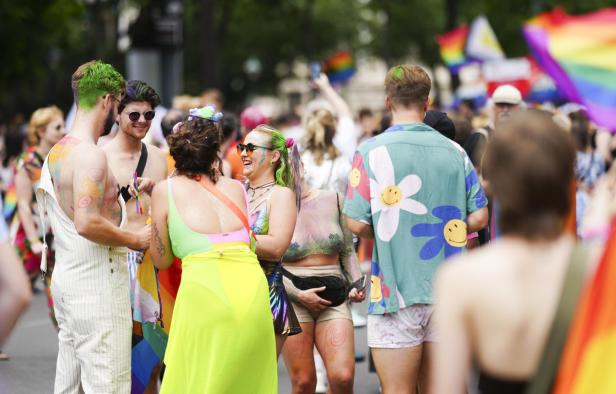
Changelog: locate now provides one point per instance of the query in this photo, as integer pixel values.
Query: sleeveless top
(318, 229)
(82, 267)
(260, 217)
(186, 241)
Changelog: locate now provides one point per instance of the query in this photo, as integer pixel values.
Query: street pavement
(33, 349)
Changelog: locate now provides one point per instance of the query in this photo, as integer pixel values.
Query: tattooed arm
(160, 245)
(89, 180)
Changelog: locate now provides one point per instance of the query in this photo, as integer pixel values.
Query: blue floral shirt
(415, 187)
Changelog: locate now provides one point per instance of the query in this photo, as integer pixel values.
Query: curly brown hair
(195, 146)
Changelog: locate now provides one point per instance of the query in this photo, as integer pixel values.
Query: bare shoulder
(89, 155)
(282, 193)
(474, 270)
(232, 188)
(156, 152)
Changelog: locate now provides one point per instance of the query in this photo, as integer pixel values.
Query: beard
(109, 122)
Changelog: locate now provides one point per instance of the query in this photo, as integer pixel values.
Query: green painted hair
(93, 80)
(286, 171)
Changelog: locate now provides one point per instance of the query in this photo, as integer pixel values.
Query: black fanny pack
(336, 289)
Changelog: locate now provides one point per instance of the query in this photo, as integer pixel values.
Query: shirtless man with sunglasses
(138, 167)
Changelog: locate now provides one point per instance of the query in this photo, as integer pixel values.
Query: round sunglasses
(148, 115)
(249, 148)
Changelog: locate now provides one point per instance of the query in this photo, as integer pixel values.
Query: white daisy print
(388, 197)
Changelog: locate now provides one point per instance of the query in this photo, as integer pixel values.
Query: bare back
(82, 179)
(204, 213)
(500, 301)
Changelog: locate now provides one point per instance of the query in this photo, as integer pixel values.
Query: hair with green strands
(286, 169)
(93, 80)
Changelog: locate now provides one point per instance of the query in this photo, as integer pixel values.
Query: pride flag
(339, 67)
(481, 43)
(588, 363)
(579, 53)
(452, 47)
(10, 202)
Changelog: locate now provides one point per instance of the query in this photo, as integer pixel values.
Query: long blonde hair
(320, 133)
(39, 120)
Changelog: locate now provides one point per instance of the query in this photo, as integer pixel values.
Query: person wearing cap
(250, 118)
(506, 99)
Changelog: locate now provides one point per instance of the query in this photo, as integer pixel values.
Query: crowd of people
(265, 224)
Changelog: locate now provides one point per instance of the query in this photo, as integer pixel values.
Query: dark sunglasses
(148, 115)
(249, 147)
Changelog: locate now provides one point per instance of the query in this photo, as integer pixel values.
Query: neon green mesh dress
(221, 338)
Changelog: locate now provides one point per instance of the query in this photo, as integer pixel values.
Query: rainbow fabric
(588, 361)
(10, 202)
(452, 47)
(339, 67)
(579, 53)
(169, 283)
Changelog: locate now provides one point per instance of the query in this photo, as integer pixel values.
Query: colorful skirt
(285, 320)
(221, 338)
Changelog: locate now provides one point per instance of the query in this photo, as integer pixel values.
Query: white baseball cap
(507, 94)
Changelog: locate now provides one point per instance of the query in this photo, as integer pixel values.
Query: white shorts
(409, 327)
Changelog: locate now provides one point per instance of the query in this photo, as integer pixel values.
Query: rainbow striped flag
(579, 53)
(588, 362)
(339, 67)
(452, 47)
(168, 285)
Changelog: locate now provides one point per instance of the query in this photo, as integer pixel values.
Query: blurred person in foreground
(417, 194)
(221, 338)
(139, 166)
(15, 293)
(90, 281)
(496, 304)
(321, 246)
(271, 167)
(45, 129)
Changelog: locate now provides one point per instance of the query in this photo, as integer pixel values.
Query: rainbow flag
(588, 362)
(579, 53)
(168, 285)
(339, 67)
(452, 47)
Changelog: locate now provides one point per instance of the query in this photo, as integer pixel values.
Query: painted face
(391, 195)
(455, 233)
(54, 131)
(261, 158)
(375, 289)
(136, 128)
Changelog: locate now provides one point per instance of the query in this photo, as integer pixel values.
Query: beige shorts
(342, 311)
(409, 327)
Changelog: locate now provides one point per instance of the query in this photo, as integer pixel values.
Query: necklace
(251, 191)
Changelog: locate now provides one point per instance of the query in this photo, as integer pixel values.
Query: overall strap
(225, 200)
(574, 281)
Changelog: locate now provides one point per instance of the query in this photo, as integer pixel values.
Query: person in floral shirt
(417, 194)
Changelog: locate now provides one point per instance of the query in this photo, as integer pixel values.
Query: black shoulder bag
(143, 159)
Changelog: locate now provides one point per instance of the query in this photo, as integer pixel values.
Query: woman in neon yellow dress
(221, 338)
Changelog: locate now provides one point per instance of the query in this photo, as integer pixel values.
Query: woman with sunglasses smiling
(45, 129)
(271, 165)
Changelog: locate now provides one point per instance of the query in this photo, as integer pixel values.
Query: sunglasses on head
(249, 147)
(148, 115)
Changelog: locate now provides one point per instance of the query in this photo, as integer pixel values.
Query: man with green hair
(90, 282)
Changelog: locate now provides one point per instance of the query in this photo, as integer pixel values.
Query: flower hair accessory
(290, 142)
(208, 112)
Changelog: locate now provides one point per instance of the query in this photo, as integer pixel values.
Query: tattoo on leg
(160, 247)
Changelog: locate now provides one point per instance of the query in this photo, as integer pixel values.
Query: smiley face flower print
(389, 197)
(449, 233)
